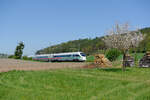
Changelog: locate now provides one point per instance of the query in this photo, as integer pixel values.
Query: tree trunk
(135, 57)
(124, 59)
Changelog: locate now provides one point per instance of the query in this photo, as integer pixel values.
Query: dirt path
(11, 64)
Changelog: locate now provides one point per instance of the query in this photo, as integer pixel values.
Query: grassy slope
(91, 46)
(76, 84)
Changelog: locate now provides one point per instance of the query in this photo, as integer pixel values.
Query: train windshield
(82, 54)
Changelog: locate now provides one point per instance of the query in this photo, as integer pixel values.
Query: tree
(19, 50)
(120, 37)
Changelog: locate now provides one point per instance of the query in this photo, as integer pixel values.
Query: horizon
(43, 23)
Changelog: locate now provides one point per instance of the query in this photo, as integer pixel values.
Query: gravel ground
(11, 64)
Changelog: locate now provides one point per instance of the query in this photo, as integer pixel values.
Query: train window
(42, 57)
(76, 55)
(82, 54)
(68, 55)
(63, 56)
(56, 56)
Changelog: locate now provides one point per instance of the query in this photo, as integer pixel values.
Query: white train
(70, 56)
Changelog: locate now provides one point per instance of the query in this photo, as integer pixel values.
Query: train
(59, 57)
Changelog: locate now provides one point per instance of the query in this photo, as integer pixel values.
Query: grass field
(76, 84)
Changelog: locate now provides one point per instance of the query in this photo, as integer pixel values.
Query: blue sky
(40, 23)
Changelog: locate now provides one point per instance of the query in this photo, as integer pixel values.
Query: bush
(113, 54)
(26, 58)
(101, 51)
(29, 58)
(11, 56)
(90, 59)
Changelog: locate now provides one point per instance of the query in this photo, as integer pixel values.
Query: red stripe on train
(48, 58)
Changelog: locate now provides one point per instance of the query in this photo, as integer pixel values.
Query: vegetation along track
(11, 64)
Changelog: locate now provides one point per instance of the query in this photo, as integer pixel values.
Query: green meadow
(76, 84)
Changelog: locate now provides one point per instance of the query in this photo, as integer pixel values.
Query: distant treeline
(91, 46)
(3, 55)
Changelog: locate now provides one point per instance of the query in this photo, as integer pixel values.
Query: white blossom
(122, 38)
